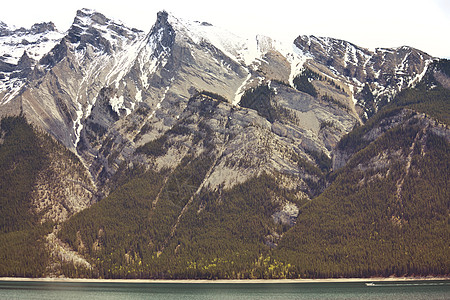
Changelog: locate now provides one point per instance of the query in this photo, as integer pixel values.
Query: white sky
(423, 24)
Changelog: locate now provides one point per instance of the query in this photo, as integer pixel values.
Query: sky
(422, 24)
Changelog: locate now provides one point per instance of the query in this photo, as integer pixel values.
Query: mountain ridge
(174, 124)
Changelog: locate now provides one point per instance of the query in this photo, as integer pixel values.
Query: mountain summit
(190, 152)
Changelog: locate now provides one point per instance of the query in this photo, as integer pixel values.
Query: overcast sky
(423, 24)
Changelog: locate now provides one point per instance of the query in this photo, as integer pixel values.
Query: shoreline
(221, 281)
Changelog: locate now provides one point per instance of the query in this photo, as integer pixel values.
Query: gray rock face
(165, 32)
(92, 28)
(385, 72)
(43, 27)
(104, 90)
(20, 51)
(4, 30)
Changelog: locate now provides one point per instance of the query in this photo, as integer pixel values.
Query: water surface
(411, 290)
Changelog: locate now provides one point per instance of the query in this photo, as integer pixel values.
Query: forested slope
(386, 212)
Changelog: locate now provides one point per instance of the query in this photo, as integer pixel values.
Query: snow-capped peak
(235, 47)
(87, 17)
(243, 50)
(92, 27)
(21, 49)
(36, 41)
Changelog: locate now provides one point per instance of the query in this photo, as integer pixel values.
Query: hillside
(385, 213)
(190, 152)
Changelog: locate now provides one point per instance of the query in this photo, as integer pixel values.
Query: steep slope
(189, 132)
(181, 59)
(20, 51)
(104, 83)
(41, 182)
(386, 213)
(430, 96)
(373, 77)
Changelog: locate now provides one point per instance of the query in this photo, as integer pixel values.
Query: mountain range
(190, 152)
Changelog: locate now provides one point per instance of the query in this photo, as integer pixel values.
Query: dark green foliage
(325, 124)
(160, 145)
(227, 235)
(180, 186)
(116, 225)
(156, 147)
(443, 65)
(358, 227)
(220, 234)
(354, 140)
(429, 96)
(22, 252)
(366, 94)
(20, 161)
(98, 129)
(434, 102)
(308, 73)
(283, 113)
(179, 129)
(321, 159)
(260, 99)
(212, 95)
(330, 99)
(123, 233)
(164, 225)
(302, 82)
(143, 111)
(308, 167)
(367, 99)
(281, 82)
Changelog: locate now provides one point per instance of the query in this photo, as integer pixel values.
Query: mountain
(188, 151)
(374, 77)
(20, 51)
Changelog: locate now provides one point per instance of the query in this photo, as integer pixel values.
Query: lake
(410, 290)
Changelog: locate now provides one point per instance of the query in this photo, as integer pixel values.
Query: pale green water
(410, 290)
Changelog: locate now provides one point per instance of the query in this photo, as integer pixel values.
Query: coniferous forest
(385, 213)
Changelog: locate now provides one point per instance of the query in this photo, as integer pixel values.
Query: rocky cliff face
(20, 51)
(188, 128)
(373, 77)
(105, 91)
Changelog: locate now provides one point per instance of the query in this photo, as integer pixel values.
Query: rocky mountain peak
(87, 16)
(162, 33)
(43, 27)
(162, 18)
(38, 30)
(374, 77)
(188, 125)
(4, 30)
(20, 49)
(25, 61)
(102, 33)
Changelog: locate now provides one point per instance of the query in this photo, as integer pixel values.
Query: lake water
(410, 290)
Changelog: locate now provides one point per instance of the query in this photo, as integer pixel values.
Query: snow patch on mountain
(416, 79)
(239, 49)
(240, 91)
(35, 44)
(22, 45)
(149, 60)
